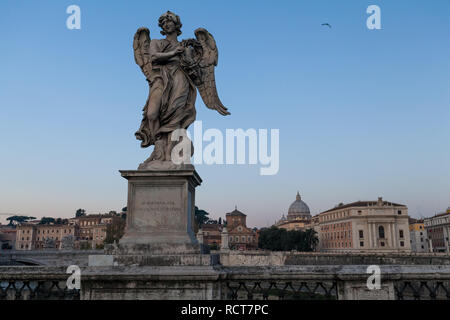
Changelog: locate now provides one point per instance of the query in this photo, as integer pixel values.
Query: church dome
(298, 209)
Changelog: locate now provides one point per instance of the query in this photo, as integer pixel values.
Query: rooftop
(380, 202)
(235, 212)
(413, 221)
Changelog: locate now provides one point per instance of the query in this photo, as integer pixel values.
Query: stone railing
(269, 258)
(35, 283)
(221, 282)
(237, 258)
(49, 257)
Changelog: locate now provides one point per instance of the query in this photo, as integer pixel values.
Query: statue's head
(169, 22)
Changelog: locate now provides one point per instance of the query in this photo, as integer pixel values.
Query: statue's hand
(179, 50)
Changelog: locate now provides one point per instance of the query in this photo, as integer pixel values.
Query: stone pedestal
(160, 217)
(160, 207)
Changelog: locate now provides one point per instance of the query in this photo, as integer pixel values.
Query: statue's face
(168, 26)
(201, 36)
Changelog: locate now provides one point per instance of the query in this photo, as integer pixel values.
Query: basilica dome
(298, 209)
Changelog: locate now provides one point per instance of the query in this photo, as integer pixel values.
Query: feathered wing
(141, 47)
(205, 80)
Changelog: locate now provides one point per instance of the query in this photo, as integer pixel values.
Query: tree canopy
(201, 216)
(278, 239)
(80, 213)
(61, 221)
(115, 230)
(47, 220)
(18, 219)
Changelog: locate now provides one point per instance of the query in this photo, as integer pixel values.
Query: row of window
(434, 222)
(337, 235)
(243, 239)
(382, 243)
(336, 215)
(48, 231)
(88, 223)
(335, 226)
(53, 231)
(344, 244)
(381, 234)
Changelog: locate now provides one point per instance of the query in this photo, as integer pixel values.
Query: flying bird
(326, 24)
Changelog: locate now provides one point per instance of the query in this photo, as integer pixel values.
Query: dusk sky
(361, 113)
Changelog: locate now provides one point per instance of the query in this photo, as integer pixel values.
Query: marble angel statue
(174, 71)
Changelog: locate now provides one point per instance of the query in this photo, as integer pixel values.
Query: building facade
(86, 225)
(53, 232)
(87, 232)
(25, 236)
(239, 235)
(364, 226)
(42, 236)
(438, 231)
(7, 237)
(212, 234)
(92, 229)
(418, 236)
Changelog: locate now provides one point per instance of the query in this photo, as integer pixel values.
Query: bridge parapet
(219, 282)
(59, 258)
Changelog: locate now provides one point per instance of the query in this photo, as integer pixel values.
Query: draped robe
(177, 107)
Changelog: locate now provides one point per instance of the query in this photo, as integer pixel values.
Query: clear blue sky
(361, 113)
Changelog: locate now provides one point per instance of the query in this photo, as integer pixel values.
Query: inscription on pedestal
(158, 208)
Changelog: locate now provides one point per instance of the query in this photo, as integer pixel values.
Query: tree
(80, 213)
(85, 245)
(311, 238)
(6, 246)
(47, 220)
(14, 220)
(49, 243)
(214, 246)
(278, 239)
(68, 242)
(115, 230)
(201, 216)
(124, 209)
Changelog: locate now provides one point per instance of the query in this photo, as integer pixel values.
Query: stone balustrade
(238, 258)
(342, 282)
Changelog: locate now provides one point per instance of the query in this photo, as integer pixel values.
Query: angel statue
(174, 71)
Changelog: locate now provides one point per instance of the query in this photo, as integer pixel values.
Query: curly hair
(171, 16)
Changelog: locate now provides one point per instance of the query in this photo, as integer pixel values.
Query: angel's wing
(141, 47)
(206, 82)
